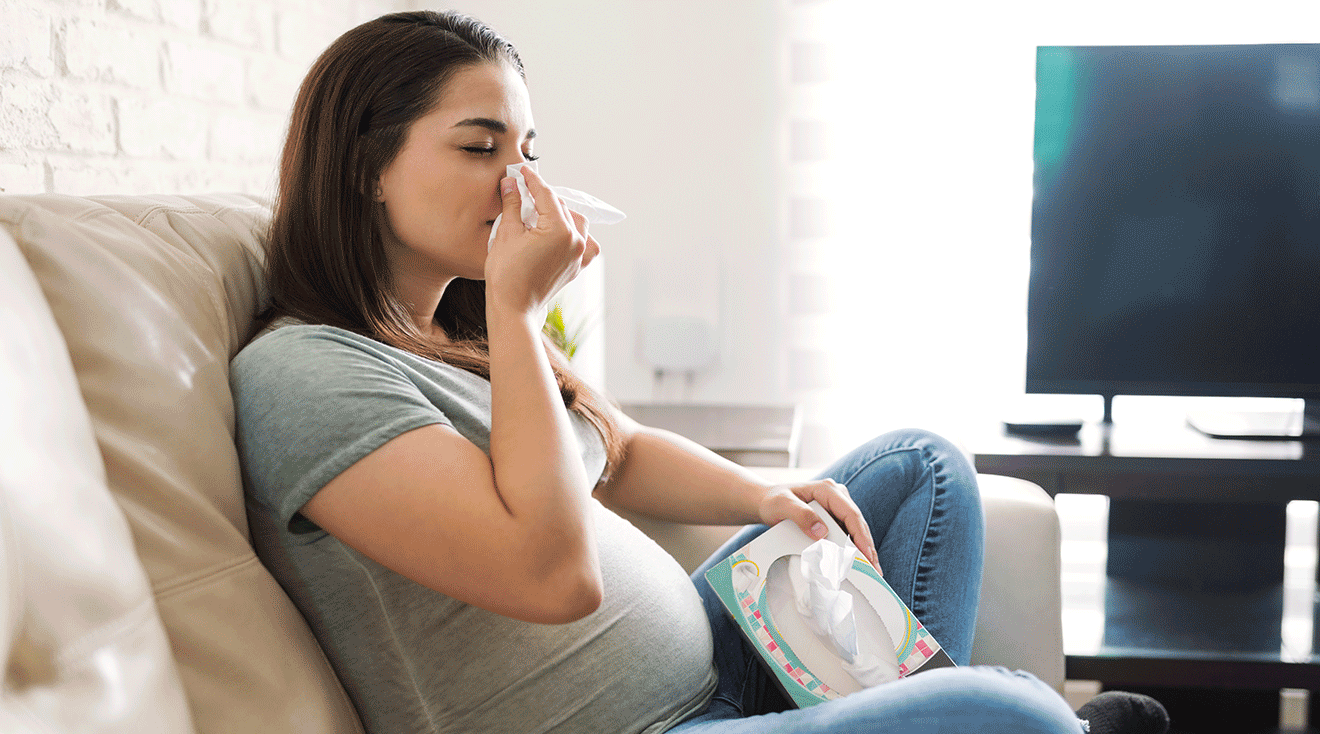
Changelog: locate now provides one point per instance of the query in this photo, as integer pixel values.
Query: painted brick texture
(156, 96)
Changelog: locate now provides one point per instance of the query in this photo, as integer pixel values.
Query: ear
(378, 192)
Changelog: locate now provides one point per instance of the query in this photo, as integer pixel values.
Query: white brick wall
(156, 96)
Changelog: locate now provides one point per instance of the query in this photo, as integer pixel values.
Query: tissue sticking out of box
(827, 609)
(595, 210)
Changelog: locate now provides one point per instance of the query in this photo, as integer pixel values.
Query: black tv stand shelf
(1165, 460)
(1194, 584)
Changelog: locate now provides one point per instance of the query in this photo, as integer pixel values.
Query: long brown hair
(326, 257)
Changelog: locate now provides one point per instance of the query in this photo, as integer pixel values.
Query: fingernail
(818, 530)
(507, 185)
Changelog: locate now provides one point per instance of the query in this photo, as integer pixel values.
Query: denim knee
(993, 698)
(935, 448)
(951, 464)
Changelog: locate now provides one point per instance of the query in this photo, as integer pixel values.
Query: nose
(505, 162)
(510, 154)
(517, 157)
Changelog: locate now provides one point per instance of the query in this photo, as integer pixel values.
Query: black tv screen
(1175, 234)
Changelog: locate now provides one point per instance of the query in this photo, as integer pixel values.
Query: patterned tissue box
(753, 583)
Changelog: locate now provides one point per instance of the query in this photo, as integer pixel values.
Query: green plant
(563, 335)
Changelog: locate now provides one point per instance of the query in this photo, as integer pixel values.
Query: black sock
(1119, 712)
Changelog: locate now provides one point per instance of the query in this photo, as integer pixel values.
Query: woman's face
(441, 193)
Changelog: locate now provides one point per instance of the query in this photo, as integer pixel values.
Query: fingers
(579, 222)
(547, 203)
(790, 502)
(510, 201)
(810, 523)
(835, 499)
(593, 249)
(592, 246)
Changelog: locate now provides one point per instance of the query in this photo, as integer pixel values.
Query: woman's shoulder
(288, 347)
(289, 350)
(286, 334)
(288, 327)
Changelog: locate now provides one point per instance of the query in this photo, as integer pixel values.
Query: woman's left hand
(789, 502)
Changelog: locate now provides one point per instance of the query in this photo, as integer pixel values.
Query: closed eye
(484, 151)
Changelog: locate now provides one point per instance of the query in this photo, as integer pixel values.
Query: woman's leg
(985, 700)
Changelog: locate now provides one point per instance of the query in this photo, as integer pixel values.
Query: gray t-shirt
(311, 401)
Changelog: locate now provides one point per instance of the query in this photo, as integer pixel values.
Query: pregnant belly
(643, 655)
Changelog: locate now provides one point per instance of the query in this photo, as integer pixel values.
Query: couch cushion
(153, 296)
(81, 644)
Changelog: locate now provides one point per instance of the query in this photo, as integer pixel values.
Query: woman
(428, 480)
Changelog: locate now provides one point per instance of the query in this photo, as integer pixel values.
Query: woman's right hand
(526, 267)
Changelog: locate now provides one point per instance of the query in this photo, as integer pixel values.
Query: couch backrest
(153, 296)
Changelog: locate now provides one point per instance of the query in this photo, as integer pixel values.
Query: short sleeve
(309, 404)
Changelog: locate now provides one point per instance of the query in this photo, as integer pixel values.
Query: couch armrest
(1020, 620)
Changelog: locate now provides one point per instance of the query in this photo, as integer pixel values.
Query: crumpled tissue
(595, 210)
(817, 582)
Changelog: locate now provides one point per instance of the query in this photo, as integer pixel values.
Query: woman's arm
(669, 477)
(512, 532)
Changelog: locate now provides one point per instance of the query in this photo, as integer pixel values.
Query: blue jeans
(918, 494)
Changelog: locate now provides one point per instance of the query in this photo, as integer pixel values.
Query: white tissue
(595, 210)
(828, 610)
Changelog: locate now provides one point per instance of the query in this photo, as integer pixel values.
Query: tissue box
(753, 583)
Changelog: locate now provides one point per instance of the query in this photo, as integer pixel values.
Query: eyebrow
(490, 124)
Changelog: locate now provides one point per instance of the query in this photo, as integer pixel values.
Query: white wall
(673, 111)
(938, 136)
(669, 111)
(155, 96)
(665, 109)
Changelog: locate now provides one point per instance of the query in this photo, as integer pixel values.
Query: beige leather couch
(130, 598)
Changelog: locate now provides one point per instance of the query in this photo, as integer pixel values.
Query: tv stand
(1271, 425)
(1192, 596)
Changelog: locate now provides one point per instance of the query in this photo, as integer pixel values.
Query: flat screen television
(1175, 231)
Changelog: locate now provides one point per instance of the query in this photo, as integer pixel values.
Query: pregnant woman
(432, 485)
